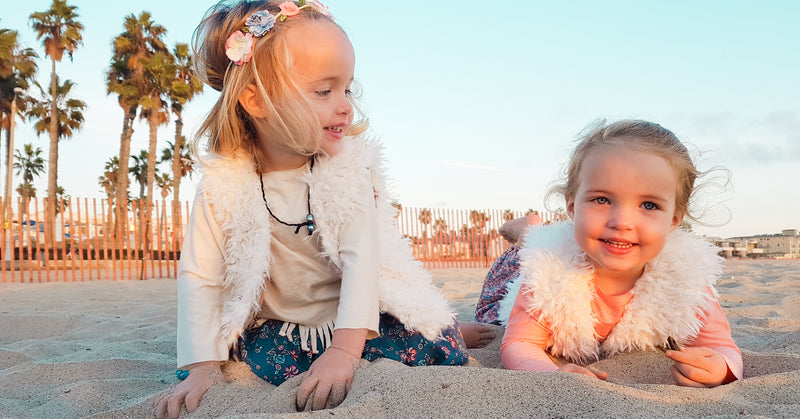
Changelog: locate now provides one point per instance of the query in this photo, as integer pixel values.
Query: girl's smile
(618, 246)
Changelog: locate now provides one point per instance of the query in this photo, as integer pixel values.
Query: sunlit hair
(228, 128)
(640, 135)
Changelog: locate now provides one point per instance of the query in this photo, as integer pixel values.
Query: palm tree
(479, 220)
(29, 162)
(184, 159)
(109, 184)
(164, 183)
(139, 171)
(68, 120)
(26, 190)
(119, 81)
(109, 179)
(17, 69)
(133, 49)
(60, 33)
(440, 228)
(425, 218)
(62, 199)
(183, 89)
(160, 73)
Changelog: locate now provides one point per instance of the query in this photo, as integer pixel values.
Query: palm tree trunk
(52, 175)
(122, 174)
(176, 177)
(151, 165)
(3, 212)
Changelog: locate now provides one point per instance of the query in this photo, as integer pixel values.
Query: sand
(107, 349)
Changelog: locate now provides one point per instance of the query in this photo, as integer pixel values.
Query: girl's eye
(323, 93)
(348, 92)
(650, 206)
(601, 200)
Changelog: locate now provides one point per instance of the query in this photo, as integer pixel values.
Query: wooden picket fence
(93, 241)
(455, 238)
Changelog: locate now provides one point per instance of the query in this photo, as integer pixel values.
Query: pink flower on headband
(239, 47)
(288, 8)
(319, 6)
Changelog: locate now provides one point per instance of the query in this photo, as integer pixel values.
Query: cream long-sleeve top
(303, 288)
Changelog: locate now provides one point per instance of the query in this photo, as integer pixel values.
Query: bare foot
(476, 335)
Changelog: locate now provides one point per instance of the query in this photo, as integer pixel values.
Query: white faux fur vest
(670, 299)
(232, 188)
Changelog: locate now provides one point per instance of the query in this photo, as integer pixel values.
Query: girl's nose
(621, 219)
(344, 107)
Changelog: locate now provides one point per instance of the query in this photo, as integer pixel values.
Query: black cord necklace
(308, 224)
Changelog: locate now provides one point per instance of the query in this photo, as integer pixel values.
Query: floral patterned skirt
(277, 358)
(503, 271)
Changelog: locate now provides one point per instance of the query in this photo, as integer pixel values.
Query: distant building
(785, 245)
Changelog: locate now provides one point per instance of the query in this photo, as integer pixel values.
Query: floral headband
(239, 46)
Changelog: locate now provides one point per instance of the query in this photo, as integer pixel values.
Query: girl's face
(623, 210)
(323, 65)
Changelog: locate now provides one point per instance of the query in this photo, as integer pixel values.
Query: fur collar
(670, 299)
(232, 188)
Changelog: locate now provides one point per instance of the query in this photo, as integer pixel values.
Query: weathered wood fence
(456, 238)
(93, 239)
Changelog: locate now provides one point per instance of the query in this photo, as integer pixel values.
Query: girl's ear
(251, 103)
(571, 208)
(677, 219)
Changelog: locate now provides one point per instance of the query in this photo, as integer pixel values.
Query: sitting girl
(292, 262)
(621, 276)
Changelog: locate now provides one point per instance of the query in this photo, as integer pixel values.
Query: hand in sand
(476, 335)
(328, 380)
(699, 367)
(202, 376)
(588, 371)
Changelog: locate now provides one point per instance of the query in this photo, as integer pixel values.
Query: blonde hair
(642, 135)
(228, 127)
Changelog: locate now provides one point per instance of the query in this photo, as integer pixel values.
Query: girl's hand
(328, 380)
(589, 371)
(202, 376)
(698, 367)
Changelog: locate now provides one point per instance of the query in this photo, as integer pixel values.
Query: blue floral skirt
(504, 270)
(277, 358)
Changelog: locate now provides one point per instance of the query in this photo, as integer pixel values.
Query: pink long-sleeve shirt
(526, 337)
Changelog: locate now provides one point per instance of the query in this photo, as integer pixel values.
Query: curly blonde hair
(228, 127)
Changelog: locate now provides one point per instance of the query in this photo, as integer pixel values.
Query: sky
(478, 104)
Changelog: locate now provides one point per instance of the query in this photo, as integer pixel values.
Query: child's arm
(525, 340)
(200, 283)
(199, 307)
(331, 375)
(358, 315)
(712, 358)
(359, 253)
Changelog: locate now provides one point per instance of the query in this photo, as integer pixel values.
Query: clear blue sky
(477, 103)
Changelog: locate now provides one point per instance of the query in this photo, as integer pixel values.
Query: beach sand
(107, 349)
